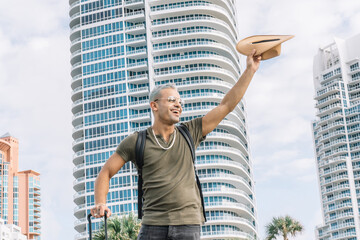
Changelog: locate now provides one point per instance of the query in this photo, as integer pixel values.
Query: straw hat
(268, 46)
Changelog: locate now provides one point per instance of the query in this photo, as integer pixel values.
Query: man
(172, 205)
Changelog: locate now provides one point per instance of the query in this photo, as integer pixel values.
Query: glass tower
(120, 50)
(336, 138)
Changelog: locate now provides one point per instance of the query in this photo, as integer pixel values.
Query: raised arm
(111, 167)
(233, 97)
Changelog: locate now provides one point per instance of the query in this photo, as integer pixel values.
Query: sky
(35, 102)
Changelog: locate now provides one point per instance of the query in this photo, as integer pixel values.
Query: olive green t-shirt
(171, 195)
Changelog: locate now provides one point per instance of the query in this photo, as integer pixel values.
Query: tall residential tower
(19, 191)
(337, 138)
(120, 50)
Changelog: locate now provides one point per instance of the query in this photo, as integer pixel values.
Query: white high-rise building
(337, 138)
(120, 50)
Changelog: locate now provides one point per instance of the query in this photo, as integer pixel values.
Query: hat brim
(267, 46)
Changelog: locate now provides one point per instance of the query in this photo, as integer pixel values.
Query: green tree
(126, 227)
(283, 226)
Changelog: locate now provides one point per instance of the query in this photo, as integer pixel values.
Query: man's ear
(153, 106)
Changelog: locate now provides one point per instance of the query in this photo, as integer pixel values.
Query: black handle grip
(90, 230)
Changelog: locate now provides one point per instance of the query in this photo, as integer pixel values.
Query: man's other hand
(98, 210)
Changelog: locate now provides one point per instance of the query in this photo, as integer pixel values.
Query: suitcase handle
(90, 230)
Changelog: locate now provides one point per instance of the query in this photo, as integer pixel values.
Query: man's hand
(98, 210)
(253, 61)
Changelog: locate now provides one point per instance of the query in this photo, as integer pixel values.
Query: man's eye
(172, 100)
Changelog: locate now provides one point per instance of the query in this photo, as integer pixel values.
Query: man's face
(168, 106)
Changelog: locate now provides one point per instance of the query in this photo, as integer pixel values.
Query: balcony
(75, 28)
(77, 106)
(214, 71)
(138, 66)
(223, 62)
(76, 81)
(80, 211)
(227, 235)
(338, 133)
(135, 54)
(74, 9)
(80, 225)
(77, 94)
(239, 182)
(78, 141)
(79, 197)
(332, 117)
(215, 10)
(195, 84)
(239, 195)
(233, 153)
(79, 184)
(75, 17)
(215, 35)
(78, 157)
(333, 170)
(136, 42)
(135, 29)
(334, 143)
(338, 216)
(76, 69)
(137, 79)
(328, 100)
(340, 226)
(77, 131)
(343, 235)
(237, 168)
(334, 179)
(135, 16)
(324, 162)
(133, 3)
(239, 208)
(142, 117)
(240, 222)
(141, 91)
(142, 104)
(218, 24)
(220, 48)
(338, 207)
(327, 91)
(331, 108)
(333, 189)
(232, 140)
(77, 118)
(81, 236)
(79, 170)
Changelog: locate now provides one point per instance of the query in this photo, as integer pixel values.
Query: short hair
(155, 92)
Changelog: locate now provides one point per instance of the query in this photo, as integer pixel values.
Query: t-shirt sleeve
(126, 148)
(195, 128)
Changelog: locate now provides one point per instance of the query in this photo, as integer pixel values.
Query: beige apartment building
(19, 190)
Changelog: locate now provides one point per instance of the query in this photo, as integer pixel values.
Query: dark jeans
(181, 232)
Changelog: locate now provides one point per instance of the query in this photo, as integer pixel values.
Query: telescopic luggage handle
(90, 230)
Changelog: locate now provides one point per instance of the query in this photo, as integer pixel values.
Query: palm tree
(124, 228)
(283, 226)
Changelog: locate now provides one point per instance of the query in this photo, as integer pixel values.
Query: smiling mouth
(176, 112)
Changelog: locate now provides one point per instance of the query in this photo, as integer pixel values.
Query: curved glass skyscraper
(120, 50)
